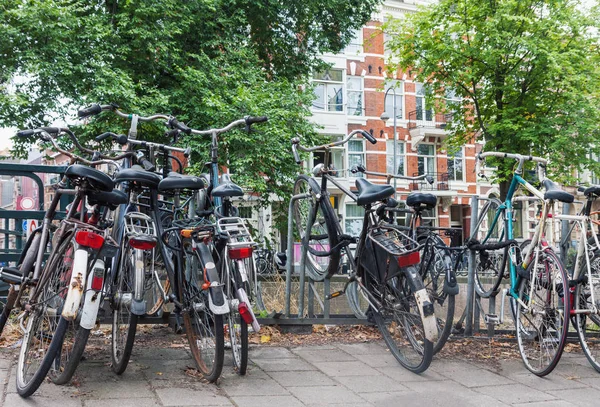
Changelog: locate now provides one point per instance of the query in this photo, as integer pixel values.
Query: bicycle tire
(63, 372)
(434, 277)
(588, 325)
(400, 323)
(202, 327)
(322, 233)
(490, 266)
(25, 268)
(124, 324)
(52, 327)
(534, 341)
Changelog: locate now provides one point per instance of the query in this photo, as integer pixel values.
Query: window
(518, 220)
(355, 95)
(426, 159)
(329, 91)
(389, 99)
(354, 219)
(399, 157)
(428, 217)
(335, 160)
(423, 112)
(356, 43)
(356, 155)
(245, 212)
(455, 166)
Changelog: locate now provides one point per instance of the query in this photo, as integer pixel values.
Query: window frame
(352, 153)
(348, 218)
(361, 92)
(454, 159)
(327, 84)
(426, 157)
(356, 44)
(389, 154)
(400, 95)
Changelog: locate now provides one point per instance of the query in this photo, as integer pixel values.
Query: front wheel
(586, 322)
(543, 325)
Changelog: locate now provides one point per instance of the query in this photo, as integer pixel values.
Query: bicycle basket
(385, 255)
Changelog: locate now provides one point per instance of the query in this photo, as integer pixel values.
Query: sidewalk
(362, 374)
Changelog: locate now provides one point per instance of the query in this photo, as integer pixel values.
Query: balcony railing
(441, 182)
(427, 119)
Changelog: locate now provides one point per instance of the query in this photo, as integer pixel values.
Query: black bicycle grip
(173, 122)
(89, 111)
(255, 119)
(104, 136)
(144, 162)
(25, 133)
(295, 151)
(187, 152)
(368, 136)
(50, 130)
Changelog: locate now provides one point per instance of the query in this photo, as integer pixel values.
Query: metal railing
(427, 119)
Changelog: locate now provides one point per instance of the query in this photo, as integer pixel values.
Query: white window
(329, 90)
(428, 217)
(423, 111)
(356, 43)
(426, 159)
(456, 167)
(335, 158)
(399, 157)
(356, 155)
(354, 219)
(389, 99)
(355, 95)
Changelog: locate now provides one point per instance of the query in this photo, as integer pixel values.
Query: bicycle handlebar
(518, 157)
(248, 121)
(296, 143)
(361, 168)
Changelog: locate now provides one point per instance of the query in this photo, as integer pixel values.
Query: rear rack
(236, 232)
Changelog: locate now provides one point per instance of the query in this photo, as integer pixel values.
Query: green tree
(528, 72)
(207, 62)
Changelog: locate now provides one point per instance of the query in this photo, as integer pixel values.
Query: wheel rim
(122, 313)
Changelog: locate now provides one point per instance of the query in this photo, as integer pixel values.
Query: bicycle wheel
(26, 267)
(434, 261)
(70, 353)
(400, 323)
(203, 328)
(588, 325)
(236, 326)
(45, 328)
(320, 232)
(490, 264)
(124, 324)
(542, 328)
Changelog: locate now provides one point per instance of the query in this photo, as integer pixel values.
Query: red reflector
(89, 239)
(143, 243)
(245, 313)
(97, 283)
(409, 259)
(240, 253)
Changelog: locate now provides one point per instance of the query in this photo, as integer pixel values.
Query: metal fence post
(471, 271)
(290, 257)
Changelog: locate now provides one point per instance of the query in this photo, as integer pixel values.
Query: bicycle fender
(216, 297)
(76, 285)
(450, 284)
(91, 302)
(427, 315)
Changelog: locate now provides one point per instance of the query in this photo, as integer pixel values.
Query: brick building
(355, 92)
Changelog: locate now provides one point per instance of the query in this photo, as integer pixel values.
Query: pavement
(359, 374)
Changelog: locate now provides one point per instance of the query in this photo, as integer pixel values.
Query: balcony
(441, 187)
(425, 123)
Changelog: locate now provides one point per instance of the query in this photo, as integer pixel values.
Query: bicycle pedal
(11, 275)
(334, 295)
(491, 319)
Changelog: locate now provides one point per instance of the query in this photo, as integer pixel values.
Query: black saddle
(111, 199)
(417, 199)
(369, 193)
(554, 192)
(139, 176)
(593, 190)
(80, 175)
(176, 181)
(227, 188)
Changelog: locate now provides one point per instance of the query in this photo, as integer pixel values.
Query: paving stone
(378, 360)
(262, 401)
(270, 352)
(116, 389)
(14, 400)
(285, 365)
(585, 382)
(354, 368)
(553, 381)
(572, 369)
(325, 395)
(165, 369)
(588, 397)
(370, 384)
(364, 348)
(417, 399)
(470, 376)
(253, 387)
(329, 355)
(553, 403)
(178, 396)
(312, 348)
(160, 354)
(308, 378)
(135, 402)
(514, 393)
(402, 375)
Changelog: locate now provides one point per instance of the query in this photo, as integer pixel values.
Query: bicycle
(538, 280)
(55, 288)
(385, 267)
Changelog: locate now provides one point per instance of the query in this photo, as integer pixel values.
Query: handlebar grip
(89, 111)
(51, 130)
(25, 133)
(255, 119)
(368, 136)
(104, 136)
(295, 151)
(187, 152)
(173, 122)
(581, 189)
(148, 166)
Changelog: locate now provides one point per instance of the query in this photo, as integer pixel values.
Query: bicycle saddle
(593, 190)
(369, 193)
(554, 192)
(111, 199)
(176, 181)
(79, 174)
(417, 199)
(139, 176)
(227, 188)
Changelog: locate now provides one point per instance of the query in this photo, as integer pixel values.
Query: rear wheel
(588, 325)
(319, 231)
(70, 353)
(542, 327)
